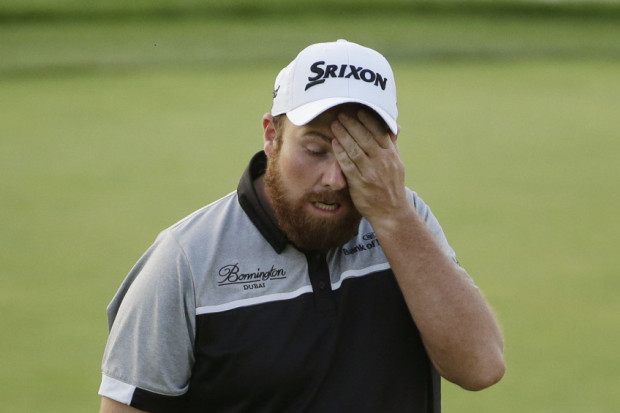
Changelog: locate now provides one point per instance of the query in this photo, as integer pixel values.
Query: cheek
(297, 169)
(294, 177)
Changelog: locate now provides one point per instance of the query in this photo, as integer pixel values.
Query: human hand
(370, 160)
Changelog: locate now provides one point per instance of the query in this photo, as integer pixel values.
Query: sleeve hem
(116, 390)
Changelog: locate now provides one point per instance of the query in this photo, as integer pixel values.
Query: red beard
(309, 232)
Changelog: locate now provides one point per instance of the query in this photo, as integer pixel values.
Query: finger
(379, 131)
(348, 167)
(394, 136)
(350, 147)
(360, 133)
(348, 144)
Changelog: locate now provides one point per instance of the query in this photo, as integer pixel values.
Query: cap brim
(305, 113)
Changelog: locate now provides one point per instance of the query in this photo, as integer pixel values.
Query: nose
(333, 177)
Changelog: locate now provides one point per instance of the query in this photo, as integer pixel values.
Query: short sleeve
(433, 225)
(149, 354)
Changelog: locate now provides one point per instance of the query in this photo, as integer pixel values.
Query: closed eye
(315, 153)
(316, 144)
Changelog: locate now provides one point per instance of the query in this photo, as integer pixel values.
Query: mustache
(329, 197)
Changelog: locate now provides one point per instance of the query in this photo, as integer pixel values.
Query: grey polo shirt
(222, 314)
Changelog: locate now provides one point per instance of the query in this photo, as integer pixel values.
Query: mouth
(327, 207)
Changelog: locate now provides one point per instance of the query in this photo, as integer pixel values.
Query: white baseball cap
(324, 75)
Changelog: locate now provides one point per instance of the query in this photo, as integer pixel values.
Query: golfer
(322, 284)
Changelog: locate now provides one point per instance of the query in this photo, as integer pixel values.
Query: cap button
(341, 41)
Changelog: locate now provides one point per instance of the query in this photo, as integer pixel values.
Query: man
(322, 284)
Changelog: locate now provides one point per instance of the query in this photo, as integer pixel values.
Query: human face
(306, 187)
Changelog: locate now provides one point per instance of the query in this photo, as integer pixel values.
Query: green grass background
(117, 119)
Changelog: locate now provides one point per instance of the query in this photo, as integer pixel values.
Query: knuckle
(355, 151)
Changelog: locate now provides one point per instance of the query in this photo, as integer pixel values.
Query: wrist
(401, 219)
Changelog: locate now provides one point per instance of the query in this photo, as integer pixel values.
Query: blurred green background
(119, 118)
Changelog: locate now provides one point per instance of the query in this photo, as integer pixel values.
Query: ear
(269, 133)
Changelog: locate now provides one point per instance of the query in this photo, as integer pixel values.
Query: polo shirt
(223, 314)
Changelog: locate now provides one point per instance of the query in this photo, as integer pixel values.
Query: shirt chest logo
(232, 274)
(369, 241)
